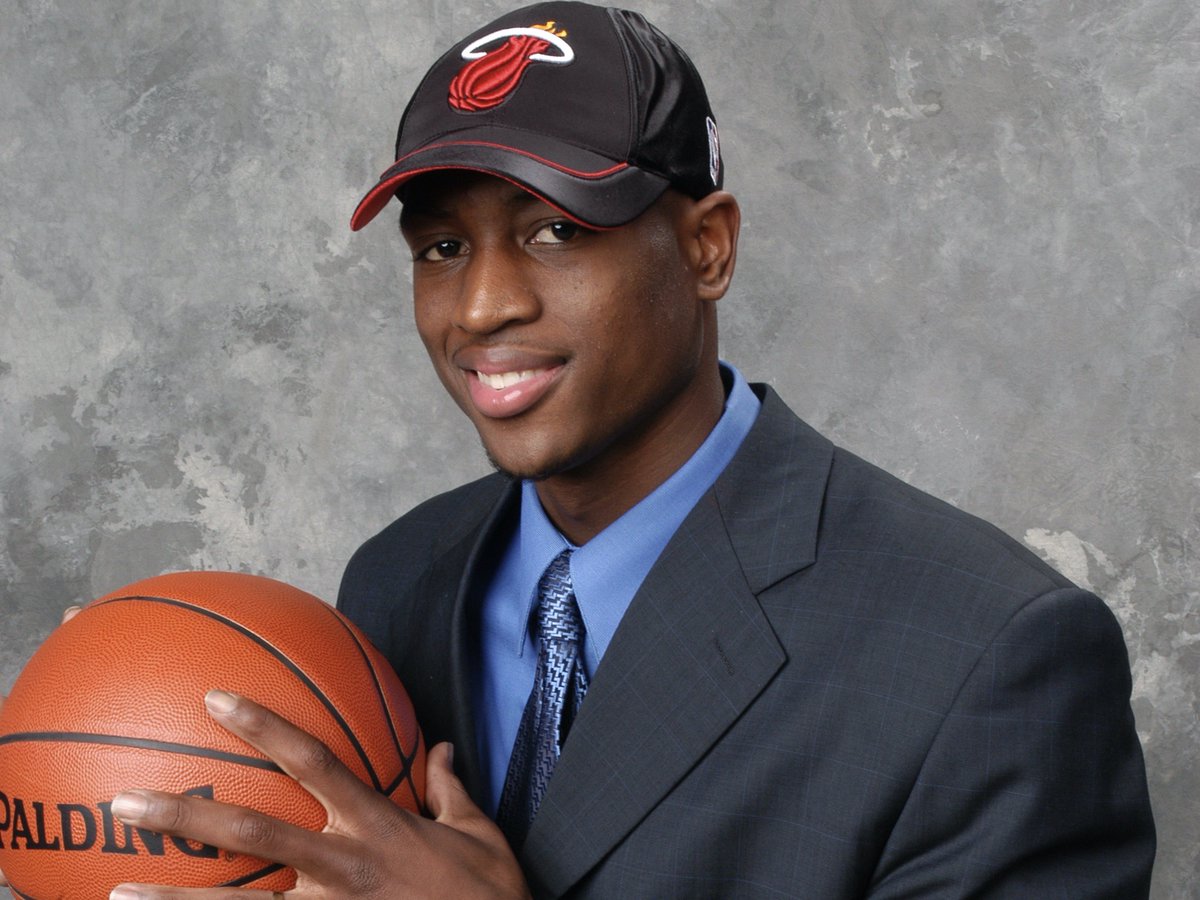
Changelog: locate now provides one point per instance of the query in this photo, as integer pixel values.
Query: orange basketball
(114, 700)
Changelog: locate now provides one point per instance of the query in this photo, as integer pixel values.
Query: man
(768, 669)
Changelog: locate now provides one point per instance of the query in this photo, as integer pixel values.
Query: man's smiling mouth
(502, 380)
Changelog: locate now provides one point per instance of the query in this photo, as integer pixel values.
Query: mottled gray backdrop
(971, 254)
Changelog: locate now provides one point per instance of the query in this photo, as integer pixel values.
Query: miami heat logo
(490, 76)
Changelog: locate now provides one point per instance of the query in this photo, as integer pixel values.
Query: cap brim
(585, 186)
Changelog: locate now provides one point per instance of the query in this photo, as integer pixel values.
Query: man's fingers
(217, 824)
(298, 753)
(444, 793)
(352, 806)
(449, 802)
(69, 613)
(320, 855)
(240, 830)
(152, 892)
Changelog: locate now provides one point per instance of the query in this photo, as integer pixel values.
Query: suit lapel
(450, 642)
(692, 652)
(772, 493)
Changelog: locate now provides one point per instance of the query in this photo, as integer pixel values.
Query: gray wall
(971, 254)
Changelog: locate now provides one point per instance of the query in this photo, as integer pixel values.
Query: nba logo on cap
(714, 151)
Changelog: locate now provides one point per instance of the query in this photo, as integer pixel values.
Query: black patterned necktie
(558, 689)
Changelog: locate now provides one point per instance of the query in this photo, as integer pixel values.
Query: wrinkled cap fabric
(593, 110)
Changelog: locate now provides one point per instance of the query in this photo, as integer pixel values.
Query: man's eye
(442, 250)
(556, 233)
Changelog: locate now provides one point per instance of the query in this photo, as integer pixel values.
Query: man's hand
(370, 848)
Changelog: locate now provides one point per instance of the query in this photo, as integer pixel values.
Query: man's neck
(588, 498)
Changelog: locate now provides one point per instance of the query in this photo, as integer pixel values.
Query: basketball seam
(406, 759)
(379, 695)
(116, 740)
(282, 658)
(254, 876)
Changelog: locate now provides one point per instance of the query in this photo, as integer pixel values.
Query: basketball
(114, 700)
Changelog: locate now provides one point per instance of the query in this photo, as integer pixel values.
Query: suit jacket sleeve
(1034, 785)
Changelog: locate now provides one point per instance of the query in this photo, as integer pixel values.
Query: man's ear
(715, 221)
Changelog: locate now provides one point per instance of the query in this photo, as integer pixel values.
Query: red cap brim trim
(381, 194)
(578, 173)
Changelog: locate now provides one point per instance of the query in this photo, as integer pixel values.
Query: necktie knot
(558, 619)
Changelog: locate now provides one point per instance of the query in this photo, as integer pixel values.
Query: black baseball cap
(594, 110)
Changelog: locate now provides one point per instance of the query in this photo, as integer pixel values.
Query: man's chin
(517, 474)
(523, 473)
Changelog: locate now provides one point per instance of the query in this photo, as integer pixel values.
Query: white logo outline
(472, 51)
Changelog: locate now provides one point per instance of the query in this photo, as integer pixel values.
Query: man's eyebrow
(415, 209)
(522, 198)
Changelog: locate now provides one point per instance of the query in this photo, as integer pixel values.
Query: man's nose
(496, 292)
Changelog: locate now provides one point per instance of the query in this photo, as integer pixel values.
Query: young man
(681, 644)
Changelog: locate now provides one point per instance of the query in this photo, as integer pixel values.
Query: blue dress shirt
(606, 572)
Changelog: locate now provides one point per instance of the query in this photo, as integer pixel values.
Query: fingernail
(449, 755)
(128, 806)
(125, 892)
(71, 610)
(220, 703)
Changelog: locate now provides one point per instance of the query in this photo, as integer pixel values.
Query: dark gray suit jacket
(830, 685)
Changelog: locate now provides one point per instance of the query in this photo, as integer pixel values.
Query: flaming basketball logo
(490, 76)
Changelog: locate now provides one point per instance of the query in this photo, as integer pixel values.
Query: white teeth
(507, 379)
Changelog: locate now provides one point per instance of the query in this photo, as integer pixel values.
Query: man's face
(566, 347)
